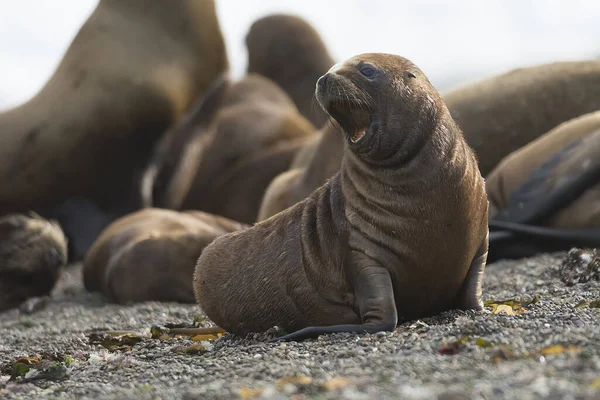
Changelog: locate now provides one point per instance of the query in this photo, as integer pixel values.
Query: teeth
(358, 135)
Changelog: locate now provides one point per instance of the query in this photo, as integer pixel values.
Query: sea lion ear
(410, 75)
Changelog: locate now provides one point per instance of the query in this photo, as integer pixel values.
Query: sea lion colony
(334, 204)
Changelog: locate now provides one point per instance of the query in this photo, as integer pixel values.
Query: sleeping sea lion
(150, 255)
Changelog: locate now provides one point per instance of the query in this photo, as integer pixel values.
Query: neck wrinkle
(415, 171)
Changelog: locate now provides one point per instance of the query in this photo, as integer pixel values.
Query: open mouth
(353, 117)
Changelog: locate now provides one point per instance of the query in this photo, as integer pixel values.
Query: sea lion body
(33, 252)
(130, 72)
(312, 166)
(150, 255)
(545, 196)
(501, 114)
(253, 138)
(290, 52)
(399, 233)
(579, 140)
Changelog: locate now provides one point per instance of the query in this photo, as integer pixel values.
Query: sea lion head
(33, 252)
(380, 101)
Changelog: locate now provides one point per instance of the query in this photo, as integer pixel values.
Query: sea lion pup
(228, 164)
(130, 72)
(501, 114)
(316, 162)
(399, 233)
(544, 197)
(150, 255)
(290, 52)
(33, 252)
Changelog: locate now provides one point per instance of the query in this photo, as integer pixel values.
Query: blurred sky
(453, 41)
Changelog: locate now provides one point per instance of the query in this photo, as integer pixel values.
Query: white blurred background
(453, 41)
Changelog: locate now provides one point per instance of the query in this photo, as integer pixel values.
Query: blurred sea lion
(150, 255)
(226, 163)
(546, 196)
(33, 252)
(289, 51)
(502, 113)
(312, 166)
(131, 71)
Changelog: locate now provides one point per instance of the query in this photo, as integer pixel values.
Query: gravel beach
(546, 344)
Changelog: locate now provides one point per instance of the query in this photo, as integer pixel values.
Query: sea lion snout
(341, 98)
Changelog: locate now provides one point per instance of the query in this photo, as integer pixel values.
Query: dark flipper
(376, 302)
(469, 297)
(515, 232)
(513, 240)
(534, 200)
(170, 150)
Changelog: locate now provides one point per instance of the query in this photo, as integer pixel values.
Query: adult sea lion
(33, 252)
(501, 114)
(290, 52)
(150, 255)
(130, 72)
(399, 233)
(546, 196)
(229, 162)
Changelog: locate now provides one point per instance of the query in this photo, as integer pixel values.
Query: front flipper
(469, 297)
(375, 297)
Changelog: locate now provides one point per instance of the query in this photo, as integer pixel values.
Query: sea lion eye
(367, 71)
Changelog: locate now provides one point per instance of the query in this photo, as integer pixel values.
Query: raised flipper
(375, 297)
(469, 297)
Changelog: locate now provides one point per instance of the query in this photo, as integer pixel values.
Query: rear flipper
(376, 302)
